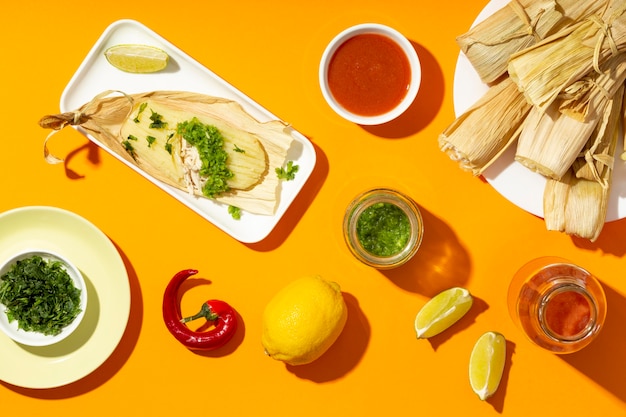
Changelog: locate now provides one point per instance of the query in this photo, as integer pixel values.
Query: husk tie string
(76, 118)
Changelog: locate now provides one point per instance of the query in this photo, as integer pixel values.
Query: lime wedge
(442, 311)
(137, 58)
(487, 364)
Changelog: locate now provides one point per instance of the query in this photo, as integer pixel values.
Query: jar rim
(383, 195)
(584, 332)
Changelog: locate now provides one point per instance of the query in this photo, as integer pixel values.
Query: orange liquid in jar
(558, 305)
(567, 314)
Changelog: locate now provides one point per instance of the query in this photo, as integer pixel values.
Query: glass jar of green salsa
(383, 228)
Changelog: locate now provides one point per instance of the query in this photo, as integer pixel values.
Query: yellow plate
(107, 282)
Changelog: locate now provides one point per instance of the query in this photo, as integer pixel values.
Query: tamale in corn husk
(515, 27)
(552, 139)
(118, 124)
(577, 203)
(483, 132)
(544, 70)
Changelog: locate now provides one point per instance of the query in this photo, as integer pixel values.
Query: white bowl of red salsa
(370, 74)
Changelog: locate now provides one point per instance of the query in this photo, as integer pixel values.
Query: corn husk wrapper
(552, 139)
(545, 70)
(577, 203)
(517, 26)
(104, 117)
(514, 27)
(473, 140)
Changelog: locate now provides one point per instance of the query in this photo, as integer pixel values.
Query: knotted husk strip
(597, 158)
(546, 69)
(518, 25)
(577, 203)
(104, 116)
(489, 44)
(550, 140)
(483, 132)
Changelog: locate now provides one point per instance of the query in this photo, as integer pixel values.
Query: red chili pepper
(220, 313)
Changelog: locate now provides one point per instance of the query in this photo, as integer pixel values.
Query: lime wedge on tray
(442, 311)
(137, 58)
(486, 364)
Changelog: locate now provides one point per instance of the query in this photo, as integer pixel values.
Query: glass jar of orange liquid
(560, 306)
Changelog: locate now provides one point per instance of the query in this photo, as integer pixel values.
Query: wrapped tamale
(484, 131)
(544, 70)
(208, 146)
(516, 26)
(552, 139)
(576, 204)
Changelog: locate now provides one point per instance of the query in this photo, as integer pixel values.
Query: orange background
(474, 237)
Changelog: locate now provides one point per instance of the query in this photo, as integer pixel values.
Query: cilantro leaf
(288, 173)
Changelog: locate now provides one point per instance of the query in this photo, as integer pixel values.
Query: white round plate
(511, 179)
(106, 279)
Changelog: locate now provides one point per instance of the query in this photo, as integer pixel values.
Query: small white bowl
(402, 42)
(32, 338)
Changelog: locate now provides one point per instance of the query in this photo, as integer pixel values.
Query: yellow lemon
(303, 320)
(137, 58)
(442, 311)
(486, 364)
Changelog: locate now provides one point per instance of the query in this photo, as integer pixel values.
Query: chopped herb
(129, 148)
(132, 137)
(40, 295)
(288, 173)
(142, 107)
(235, 212)
(157, 121)
(238, 149)
(168, 145)
(210, 144)
(151, 140)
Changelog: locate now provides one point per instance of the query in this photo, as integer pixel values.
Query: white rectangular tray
(183, 73)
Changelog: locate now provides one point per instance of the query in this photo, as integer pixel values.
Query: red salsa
(369, 74)
(567, 313)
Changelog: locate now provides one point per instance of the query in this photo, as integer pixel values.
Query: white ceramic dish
(511, 179)
(103, 325)
(183, 73)
(399, 39)
(32, 338)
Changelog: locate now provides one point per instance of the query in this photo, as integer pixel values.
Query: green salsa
(383, 229)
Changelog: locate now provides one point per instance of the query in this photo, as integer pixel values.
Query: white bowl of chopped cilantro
(42, 297)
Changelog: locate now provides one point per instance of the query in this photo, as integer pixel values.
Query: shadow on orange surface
(113, 363)
(440, 263)
(604, 360)
(606, 241)
(93, 155)
(345, 353)
(426, 105)
(497, 400)
(298, 207)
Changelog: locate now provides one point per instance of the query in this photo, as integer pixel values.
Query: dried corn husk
(473, 141)
(598, 156)
(545, 70)
(551, 139)
(577, 203)
(105, 117)
(575, 206)
(515, 27)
